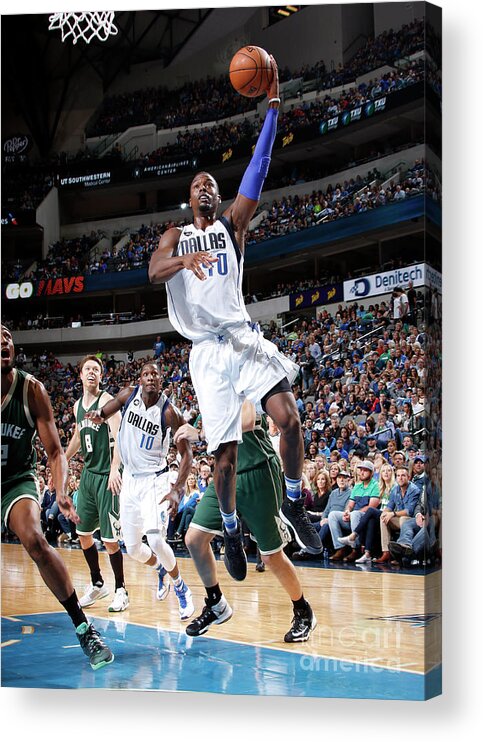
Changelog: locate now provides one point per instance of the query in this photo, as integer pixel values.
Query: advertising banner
(45, 287)
(327, 294)
(376, 284)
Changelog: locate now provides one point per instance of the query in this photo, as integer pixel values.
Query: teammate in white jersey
(202, 266)
(148, 495)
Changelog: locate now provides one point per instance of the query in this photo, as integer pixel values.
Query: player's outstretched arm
(114, 483)
(175, 421)
(187, 432)
(39, 404)
(246, 202)
(75, 442)
(115, 404)
(164, 264)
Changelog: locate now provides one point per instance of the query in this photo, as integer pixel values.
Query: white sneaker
(185, 598)
(363, 559)
(93, 593)
(120, 602)
(163, 585)
(347, 541)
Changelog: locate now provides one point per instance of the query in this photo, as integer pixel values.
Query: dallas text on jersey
(140, 422)
(205, 242)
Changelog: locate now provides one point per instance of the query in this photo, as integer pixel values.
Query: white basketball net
(85, 26)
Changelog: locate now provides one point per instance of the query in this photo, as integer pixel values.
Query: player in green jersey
(26, 412)
(259, 487)
(99, 487)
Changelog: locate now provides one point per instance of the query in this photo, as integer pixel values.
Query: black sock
(74, 610)
(117, 568)
(301, 604)
(213, 595)
(92, 559)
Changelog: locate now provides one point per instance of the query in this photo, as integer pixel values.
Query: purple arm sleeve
(256, 172)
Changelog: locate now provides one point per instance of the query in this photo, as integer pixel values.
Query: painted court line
(187, 664)
(260, 645)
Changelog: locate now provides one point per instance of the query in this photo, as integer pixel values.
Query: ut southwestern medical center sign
(383, 283)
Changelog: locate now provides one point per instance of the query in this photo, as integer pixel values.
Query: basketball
(251, 71)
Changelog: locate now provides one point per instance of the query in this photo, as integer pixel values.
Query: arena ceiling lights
(278, 13)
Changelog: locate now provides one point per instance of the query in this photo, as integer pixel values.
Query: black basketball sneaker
(235, 558)
(93, 647)
(304, 622)
(218, 613)
(294, 515)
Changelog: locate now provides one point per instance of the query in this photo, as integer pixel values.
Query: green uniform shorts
(258, 498)
(97, 507)
(18, 489)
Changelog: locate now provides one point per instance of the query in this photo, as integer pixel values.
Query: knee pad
(162, 549)
(140, 552)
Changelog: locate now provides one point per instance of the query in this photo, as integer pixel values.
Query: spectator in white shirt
(401, 304)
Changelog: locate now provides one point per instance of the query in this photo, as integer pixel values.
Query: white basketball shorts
(141, 508)
(236, 365)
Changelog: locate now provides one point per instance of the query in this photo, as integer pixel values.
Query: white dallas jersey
(143, 438)
(200, 309)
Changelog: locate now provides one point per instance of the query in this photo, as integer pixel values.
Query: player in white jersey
(202, 266)
(148, 495)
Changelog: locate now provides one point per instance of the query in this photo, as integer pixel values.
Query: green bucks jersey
(95, 440)
(256, 448)
(18, 430)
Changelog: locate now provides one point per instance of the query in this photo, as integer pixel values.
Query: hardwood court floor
(388, 620)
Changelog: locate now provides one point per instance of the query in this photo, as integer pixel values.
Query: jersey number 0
(222, 265)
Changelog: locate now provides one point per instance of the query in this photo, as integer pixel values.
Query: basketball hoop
(85, 26)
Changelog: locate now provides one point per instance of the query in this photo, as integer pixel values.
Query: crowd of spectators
(386, 49)
(295, 213)
(212, 99)
(25, 185)
(323, 108)
(67, 257)
(136, 252)
(361, 399)
(285, 216)
(356, 196)
(201, 101)
(229, 134)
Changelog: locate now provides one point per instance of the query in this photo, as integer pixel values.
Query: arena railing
(344, 348)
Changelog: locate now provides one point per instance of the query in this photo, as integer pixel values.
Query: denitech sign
(54, 286)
